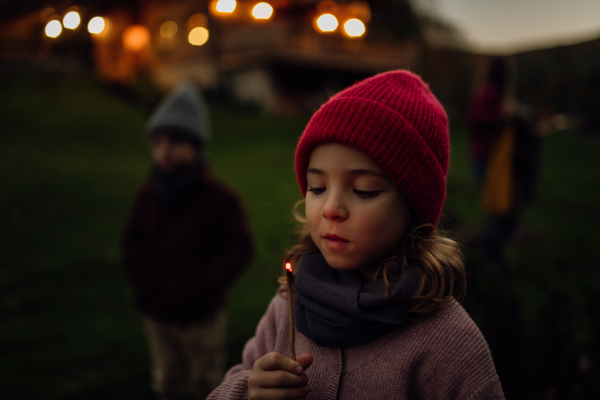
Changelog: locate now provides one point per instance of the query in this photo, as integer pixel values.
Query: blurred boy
(187, 239)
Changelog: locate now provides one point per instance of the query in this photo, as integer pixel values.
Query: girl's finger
(277, 361)
(305, 360)
(282, 379)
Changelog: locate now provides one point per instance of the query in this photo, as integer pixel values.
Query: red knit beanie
(395, 119)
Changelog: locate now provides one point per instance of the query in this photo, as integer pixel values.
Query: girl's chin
(340, 263)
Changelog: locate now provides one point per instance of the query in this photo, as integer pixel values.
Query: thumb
(305, 360)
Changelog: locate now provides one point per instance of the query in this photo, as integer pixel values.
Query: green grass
(72, 157)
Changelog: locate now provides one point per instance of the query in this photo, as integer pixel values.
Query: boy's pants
(189, 360)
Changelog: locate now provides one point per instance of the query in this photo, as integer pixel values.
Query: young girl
(375, 314)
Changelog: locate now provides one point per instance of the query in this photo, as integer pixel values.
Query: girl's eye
(316, 190)
(365, 194)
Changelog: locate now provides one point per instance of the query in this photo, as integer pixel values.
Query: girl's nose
(334, 208)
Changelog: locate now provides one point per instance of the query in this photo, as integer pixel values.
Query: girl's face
(354, 214)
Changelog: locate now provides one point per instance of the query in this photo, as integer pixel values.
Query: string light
(168, 29)
(262, 11)
(197, 20)
(327, 23)
(53, 28)
(354, 27)
(198, 36)
(226, 6)
(71, 20)
(96, 25)
(136, 37)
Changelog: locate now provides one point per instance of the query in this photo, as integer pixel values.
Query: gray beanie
(183, 111)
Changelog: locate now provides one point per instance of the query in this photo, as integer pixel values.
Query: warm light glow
(262, 11)
(198, 36)
(226, 6)
(327, 23)
(360, 10)
(288, 266)
(71, 20)
(197, 20)
(136, 37)
(354, 27)
(53, 28)
(168, 29)
(96, 25)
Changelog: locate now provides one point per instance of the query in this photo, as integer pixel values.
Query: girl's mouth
(335, 243)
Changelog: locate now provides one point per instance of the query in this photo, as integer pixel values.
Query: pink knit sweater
(440, 356)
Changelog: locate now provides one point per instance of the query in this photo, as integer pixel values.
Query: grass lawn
(72, 157)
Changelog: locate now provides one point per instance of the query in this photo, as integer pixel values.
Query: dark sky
(511, 25)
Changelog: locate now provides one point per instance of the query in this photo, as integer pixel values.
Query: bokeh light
(71, 20)
(136, 37)
(327, 23)
(53, 28)
(168, 29)
(262, 11)
(354, 27)
(226, 6)
(198, 36)
(197, 20)
(96, 25)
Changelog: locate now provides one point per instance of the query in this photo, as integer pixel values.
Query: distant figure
(186, 241)
(505, 152)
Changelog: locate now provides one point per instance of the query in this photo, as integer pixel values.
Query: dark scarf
(336, 308)
(172, 188)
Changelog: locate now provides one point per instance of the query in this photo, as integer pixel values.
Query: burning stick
(290, 285)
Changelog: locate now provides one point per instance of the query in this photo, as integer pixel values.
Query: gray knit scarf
(336, 308)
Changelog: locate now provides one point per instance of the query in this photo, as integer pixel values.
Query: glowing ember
(354, 27)
(288, 266)
(96, 25)
(198, 36)
(53, 28)
(262, 11)
(71, 20)
(327, 23)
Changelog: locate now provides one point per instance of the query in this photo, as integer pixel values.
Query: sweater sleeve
(490, 390)
(135, 256)
(235, 383)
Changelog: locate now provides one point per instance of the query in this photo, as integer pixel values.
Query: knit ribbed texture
(395, 119)
(439, 356)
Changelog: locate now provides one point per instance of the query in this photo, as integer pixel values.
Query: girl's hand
(277, 377)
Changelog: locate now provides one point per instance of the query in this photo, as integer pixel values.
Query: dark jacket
(181, 259)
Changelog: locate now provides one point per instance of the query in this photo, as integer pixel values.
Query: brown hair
(438, 257)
